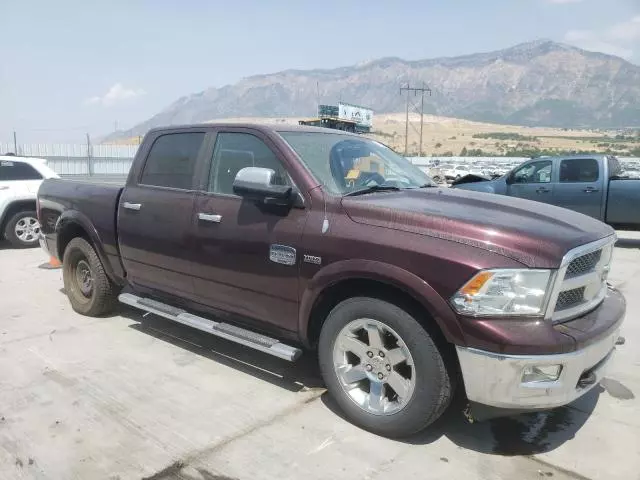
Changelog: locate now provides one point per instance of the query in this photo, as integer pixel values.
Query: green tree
(463, 152)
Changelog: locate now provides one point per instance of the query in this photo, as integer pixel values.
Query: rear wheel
(382, 367)
(23, 229)
(87, 285)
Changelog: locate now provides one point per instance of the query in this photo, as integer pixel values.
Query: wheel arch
(72, 224)
(349, 278)
(13, 208)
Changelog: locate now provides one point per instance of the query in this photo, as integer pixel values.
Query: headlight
(504, 292)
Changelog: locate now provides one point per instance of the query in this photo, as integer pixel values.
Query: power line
(421, 90)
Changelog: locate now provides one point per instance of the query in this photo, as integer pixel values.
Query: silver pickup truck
(591, 184)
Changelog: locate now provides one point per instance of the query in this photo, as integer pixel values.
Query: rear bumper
(47, 245)
(43, 243)
(496, 380)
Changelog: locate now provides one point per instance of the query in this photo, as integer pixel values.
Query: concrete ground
(131, 398)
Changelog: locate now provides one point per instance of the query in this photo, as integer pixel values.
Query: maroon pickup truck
(288, 238)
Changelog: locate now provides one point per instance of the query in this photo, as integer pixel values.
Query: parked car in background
(284, 238)
(20, 179)
(594, 185)
(436, 174)
(456, 171)
(493, 171)
(631, 171)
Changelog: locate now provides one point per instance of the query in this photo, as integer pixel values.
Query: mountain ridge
(539, 83)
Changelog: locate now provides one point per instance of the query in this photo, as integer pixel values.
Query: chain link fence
(79, 160)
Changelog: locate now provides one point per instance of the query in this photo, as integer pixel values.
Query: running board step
(235, 334)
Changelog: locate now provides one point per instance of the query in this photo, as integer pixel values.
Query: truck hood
(536, 234)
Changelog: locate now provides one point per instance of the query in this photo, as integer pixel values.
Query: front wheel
(88, 287)
(382, 367)
(23, 229)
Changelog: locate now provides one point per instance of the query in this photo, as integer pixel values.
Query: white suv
(20, 179)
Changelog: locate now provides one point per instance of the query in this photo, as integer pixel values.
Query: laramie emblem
(282, 254)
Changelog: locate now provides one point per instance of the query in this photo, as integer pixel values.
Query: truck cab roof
(264, 127)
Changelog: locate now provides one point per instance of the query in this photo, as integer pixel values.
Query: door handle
(132, 206)
(543, 190)
(590, 190)
(4, 188)
(208, 217)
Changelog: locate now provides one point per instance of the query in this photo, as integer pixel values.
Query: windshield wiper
(371, 189)
(428, 185)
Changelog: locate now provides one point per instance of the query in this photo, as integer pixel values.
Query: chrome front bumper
(496, 380)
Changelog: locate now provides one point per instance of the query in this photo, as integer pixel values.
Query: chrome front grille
(570, 298)
(581, 281)
(583, 264)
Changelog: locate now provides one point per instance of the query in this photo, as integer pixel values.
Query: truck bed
(119, 180)
(93, 204)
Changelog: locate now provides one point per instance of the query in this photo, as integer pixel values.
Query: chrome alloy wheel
(27, 229)
(374, 366)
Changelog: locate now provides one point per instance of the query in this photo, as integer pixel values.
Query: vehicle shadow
(299, 376)
(5, 245)
(525, 434)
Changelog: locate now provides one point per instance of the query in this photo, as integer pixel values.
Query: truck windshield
(345, 163)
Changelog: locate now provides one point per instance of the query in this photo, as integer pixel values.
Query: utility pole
(422, 90)
(406, 125)
(89, 162)
(422, 117)
(15, 144)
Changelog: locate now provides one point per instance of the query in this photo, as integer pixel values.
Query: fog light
(541, 373)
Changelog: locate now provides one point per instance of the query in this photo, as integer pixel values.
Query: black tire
(100, 299)
(433, 384)
(10, 230)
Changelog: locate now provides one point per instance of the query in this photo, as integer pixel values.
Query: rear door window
(579, 170)
(172, 160)
(15, 171)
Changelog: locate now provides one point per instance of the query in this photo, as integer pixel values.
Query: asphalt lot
(130, 398)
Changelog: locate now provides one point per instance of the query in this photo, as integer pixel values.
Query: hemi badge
(312, 259)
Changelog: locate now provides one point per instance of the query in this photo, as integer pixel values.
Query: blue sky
(68, 67)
